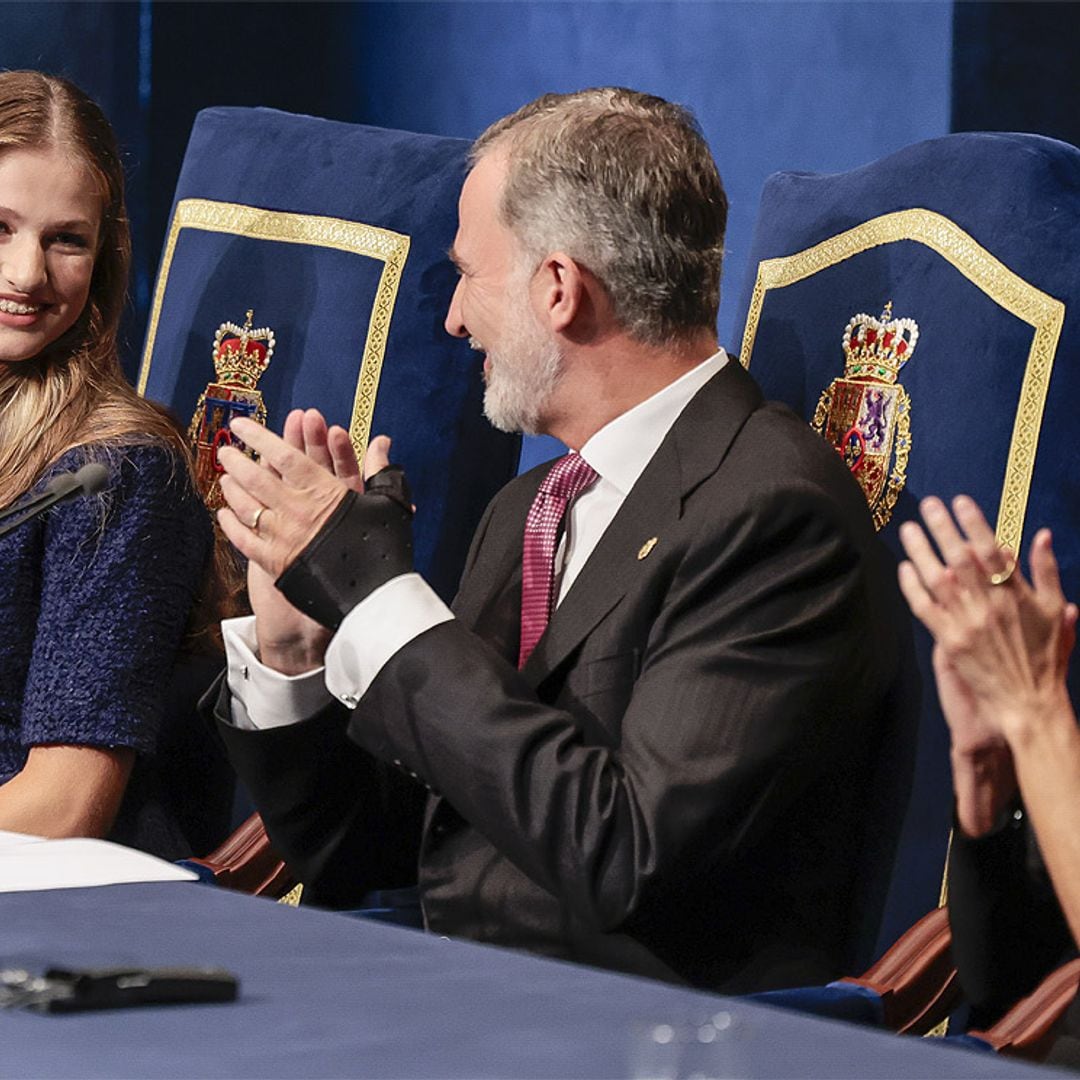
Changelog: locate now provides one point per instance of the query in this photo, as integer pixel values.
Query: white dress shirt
(407, 606)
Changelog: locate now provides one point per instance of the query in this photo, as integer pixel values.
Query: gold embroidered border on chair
(353, 237)
(1010, 291)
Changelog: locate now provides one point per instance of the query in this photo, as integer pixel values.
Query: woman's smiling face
(50, 221)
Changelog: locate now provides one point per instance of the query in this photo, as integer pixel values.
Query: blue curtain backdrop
(792, 84)
(789, 85)
(779, 85)
(806, 85)
(105, 49)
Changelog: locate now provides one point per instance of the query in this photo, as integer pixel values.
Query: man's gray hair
(624, 183)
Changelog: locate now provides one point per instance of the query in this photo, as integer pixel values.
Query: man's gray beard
(518, 389)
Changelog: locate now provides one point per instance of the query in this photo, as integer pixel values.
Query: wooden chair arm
(1027, 1029)
(916, 979)
(245, 861)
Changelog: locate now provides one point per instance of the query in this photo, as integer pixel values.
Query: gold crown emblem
(878, 348)
(241, 353)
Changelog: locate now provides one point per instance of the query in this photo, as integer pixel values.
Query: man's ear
(559, 290)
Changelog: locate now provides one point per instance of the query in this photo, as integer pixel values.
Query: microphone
(91, 478)
(87, 480)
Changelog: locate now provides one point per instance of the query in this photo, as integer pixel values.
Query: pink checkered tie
(569, 476)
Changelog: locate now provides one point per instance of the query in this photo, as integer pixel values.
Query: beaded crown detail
(865, 415)
(241, 354)
(878, 348)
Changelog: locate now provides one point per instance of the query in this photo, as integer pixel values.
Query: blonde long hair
(74, 392)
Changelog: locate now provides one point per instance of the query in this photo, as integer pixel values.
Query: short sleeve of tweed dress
(120, 573)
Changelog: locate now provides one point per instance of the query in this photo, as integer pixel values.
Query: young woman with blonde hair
(98, 593)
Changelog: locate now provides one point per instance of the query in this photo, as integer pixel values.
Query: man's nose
(454, 323)
(22, 264)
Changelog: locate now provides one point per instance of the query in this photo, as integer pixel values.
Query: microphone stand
(88, 479)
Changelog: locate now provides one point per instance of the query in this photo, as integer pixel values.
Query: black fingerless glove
(366, 542)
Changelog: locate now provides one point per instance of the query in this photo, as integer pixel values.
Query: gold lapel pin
(645, 548)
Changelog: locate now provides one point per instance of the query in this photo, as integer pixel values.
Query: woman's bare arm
(66, 791)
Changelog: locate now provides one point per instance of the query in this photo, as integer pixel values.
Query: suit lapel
(691, 452)
(489, 600)
(649, 510)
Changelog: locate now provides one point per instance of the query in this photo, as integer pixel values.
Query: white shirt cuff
(380, 625)
(261, 697)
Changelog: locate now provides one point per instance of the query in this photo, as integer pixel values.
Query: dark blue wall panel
(819, 86)
(94, 45)
(806, 85)
(785, 85)
(104, 49)
(1015, 68)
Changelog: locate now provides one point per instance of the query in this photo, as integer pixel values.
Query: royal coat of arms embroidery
(866, 414)
(241, 354)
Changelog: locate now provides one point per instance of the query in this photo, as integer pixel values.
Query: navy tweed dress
(95, 596)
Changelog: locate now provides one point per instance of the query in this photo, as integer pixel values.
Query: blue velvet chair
(922, 312)
(334, 237)
(305, 265)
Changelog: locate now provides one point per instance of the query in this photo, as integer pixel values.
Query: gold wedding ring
(1002, 576)
(254, 526)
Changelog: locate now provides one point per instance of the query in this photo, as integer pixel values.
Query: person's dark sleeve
(1008, 928)
(343, 822)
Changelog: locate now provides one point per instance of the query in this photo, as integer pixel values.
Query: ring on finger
(254, 526)
(1003, 576)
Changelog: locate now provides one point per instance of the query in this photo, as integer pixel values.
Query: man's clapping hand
(276, 507)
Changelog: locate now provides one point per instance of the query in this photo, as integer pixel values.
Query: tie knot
(569, 476)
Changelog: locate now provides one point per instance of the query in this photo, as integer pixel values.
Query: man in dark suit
(668, 777)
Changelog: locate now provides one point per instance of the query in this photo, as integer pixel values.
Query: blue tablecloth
(327, 995)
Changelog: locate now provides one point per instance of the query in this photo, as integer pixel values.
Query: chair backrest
(305, 266)
(334, 237)
(973, 238)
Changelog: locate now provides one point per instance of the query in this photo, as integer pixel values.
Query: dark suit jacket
(673, 784)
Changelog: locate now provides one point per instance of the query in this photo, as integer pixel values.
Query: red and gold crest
(241, 354)
(866, 415)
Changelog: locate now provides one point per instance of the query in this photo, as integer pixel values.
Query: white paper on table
(35, 864)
